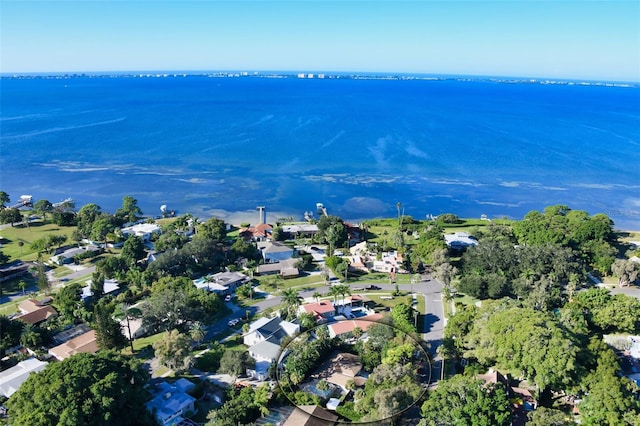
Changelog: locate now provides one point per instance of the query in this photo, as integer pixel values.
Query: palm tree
(292, 300)
(317, 296)
(197, 332)
(334, 291)
(29, 337)
(343, 290)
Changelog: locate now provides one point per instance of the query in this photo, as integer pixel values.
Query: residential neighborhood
(225, 316)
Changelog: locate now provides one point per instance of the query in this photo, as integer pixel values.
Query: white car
(233, 322)
(227, 298)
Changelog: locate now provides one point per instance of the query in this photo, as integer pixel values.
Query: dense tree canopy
(529, 343)
(100, 389)
(463, 401)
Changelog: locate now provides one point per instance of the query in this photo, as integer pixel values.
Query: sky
(570, 39)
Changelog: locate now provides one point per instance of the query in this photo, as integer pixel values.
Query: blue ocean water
(213, 146)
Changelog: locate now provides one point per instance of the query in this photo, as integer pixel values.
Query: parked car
(233, 322)
(373, 287)
(227, 298)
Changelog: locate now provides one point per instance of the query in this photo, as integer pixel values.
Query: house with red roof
(260, 232)
(322, 311)
(346, 327)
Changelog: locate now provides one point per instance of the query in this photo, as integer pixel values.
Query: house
(109, 286)
(260, 232)
(13, 270)
(357, 263)
(310, 415)
(171, 402)
(346, 327)
(64, 257)
(340, 368)
(273, 252)
(274, 329)
(391, 262)
(35, 311)
(144, 231)
(264, 338)
(521, 398)
(265, 353)
(460, 240)
(222, 282)
(84, 343)
(284, 268)
(12, 378)
(300, 231)
(323, 310)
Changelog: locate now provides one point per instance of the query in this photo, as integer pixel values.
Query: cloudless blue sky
(553, 39)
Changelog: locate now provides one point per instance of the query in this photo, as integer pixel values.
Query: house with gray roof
(264, 338)
(273, 252)
(171, 403)
(12, 378)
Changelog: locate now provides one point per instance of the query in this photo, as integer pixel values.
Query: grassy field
(13, 236)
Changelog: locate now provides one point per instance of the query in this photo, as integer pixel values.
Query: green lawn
(14, 235)
(465, 299)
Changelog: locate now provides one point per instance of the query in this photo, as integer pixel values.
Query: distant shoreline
(320, 76)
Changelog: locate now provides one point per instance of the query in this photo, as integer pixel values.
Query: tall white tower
(262, 215)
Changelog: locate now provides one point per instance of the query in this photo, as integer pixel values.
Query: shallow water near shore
(215, 146)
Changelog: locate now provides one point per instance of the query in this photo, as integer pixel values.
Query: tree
(197, 332)
(333, 231)
(234, 362)
(10, 215)
(4, 199)
(43, 281)
(133, 250)
(306, 320)
(129, 210)
(30, 337)
(86, 216)
(292, 301)
(108, 331)
(84, 390)
(43, 207)
(173, 350)
(100, 229)
(626, 271)
(96, 286)
(402, 315)
(463, 400)
(527, 341)
(11, 333)
(543, 416)
(166, 310)
(68, 299)
(213, 229)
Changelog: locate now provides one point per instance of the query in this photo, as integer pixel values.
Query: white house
(274, 329)
(12, 378)
(109, 286)
(222, 282)
(460, 240)
(170, 402)
(66, 256)
(142, 230)
(264, 338)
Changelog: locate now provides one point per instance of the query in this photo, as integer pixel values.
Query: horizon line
(257, 73)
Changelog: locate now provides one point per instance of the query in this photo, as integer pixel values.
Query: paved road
(433, 316)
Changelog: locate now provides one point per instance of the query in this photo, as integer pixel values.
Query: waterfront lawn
(13, 235)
